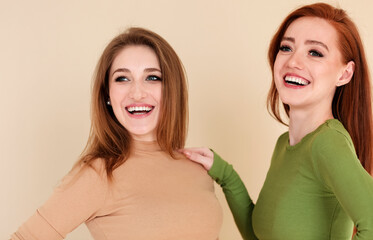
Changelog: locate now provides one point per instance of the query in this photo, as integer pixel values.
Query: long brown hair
(352, 102)
(108, 139)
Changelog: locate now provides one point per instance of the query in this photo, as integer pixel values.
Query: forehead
(139, 56)
(312, 28)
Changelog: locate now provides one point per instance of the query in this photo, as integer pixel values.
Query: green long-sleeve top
(314, 190)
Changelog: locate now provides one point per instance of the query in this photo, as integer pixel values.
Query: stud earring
(108, 102)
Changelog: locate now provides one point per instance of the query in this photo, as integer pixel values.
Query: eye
(153, 78)
(315, 53)
(284, 48)
(122, 79)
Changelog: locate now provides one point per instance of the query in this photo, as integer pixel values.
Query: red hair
(108, 139)
(352, 102)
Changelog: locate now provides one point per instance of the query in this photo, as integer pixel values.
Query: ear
(347, 74)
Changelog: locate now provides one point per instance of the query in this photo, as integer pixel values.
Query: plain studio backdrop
(48, 52)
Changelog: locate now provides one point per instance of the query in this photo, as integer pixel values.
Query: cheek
(157, 93)
(327, 73)
(117, 94)
(279, 62)
(115, 100)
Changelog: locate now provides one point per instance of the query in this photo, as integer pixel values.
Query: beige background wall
(48, 50)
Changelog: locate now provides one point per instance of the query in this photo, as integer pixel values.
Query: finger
(198, 158)
(195, 156)
(202, 151)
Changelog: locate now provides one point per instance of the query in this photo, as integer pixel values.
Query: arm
(234, 190)
(343, 174)
(80, 194)
(236, 194)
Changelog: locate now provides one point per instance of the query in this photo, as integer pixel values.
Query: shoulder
(334, 156)
(92, 173)
(283, 138)
(81, 193)
(332, 136)
(95, 167)
(333, 149)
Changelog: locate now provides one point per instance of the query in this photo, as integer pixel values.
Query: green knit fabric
(314, 190)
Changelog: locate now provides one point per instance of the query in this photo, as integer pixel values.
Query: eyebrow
(145, 70)
(310, 42)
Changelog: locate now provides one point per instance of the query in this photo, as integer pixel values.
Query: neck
(144, 137)
(148, 146)
(303, 122)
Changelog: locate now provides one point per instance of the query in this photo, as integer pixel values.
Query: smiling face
(308, 65)
(135, 90)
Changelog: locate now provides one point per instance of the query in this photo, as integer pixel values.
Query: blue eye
(315, 53)
(284, 48)
(153, 78)
(121, 79)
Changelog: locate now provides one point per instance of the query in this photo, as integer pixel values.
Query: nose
(296, 60)
(137, 91)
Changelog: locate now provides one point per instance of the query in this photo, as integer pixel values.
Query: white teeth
(299, 81)
(139, 109)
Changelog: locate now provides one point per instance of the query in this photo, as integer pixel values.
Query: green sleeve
(342, 173)
(236, 194)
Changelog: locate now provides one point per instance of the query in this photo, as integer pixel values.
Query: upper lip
(139, 105)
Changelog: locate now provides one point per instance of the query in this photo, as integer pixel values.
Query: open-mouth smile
(139, 110)
(296, 81)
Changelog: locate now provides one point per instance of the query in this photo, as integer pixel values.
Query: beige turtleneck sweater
(153, 196)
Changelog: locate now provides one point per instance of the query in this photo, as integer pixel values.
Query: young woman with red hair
(316, 187)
